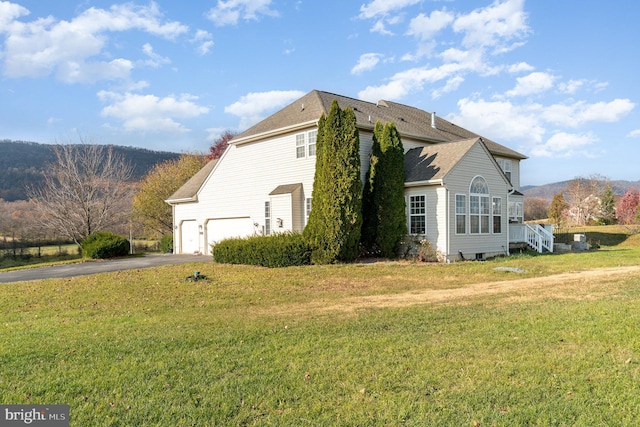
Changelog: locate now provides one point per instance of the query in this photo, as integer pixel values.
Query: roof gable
(434, 162)
(410, 121)
(189, 190)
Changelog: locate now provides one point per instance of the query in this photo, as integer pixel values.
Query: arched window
(479, 206)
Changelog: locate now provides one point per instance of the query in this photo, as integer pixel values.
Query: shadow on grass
(594, 238)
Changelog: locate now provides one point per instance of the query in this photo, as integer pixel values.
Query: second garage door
(220, 229)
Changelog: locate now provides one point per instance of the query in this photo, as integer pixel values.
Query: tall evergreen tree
(369, 208)
(335, 220)
(389, 192)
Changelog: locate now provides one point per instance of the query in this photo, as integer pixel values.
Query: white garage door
(189, 237)
(220, 229)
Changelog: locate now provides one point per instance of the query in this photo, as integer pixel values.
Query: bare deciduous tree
(584, 196)
(535, 208)
(85, 190)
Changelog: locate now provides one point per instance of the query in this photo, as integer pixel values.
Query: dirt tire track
(547, 286)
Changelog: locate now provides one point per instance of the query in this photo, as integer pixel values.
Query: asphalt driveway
(102, 266)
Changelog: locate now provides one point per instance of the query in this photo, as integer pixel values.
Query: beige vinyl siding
(515, 171)
(475, 163)
(246, 174)
(515, 174)
(243, 179)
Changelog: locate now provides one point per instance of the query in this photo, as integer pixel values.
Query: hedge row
(104, 244)
(279, 250)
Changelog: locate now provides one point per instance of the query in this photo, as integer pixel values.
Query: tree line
(88, 188)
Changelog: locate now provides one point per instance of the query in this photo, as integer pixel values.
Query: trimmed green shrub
(166, 244)
(104, 244)
(278, 250)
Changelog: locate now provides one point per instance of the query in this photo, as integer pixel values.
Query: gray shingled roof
(190, 189)
(285, 189)
(435, 161)
(410, 121)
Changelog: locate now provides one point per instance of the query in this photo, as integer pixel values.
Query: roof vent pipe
(433, 120)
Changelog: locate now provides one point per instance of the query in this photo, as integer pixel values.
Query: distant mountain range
(547, 191)
(22, 164)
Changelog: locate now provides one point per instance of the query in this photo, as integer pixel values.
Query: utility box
(580, 242)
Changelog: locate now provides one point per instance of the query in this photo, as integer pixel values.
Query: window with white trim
(505, 165)
(267, 218)
(461, 213)
(516, 212)
(306, 144)
(301, 148)
(308, 208)
(479, 206)
(497, 215)
(418, 214)
(312, 136)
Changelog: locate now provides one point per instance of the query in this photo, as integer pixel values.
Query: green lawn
(304, 346)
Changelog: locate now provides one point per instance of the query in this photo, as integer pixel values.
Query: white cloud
(382, 11)
(526, 124)
(367, 62)
(580, 113)
(414, 79)
(229, 12)
(254, 106)
(378, 8)
(204, 41)
(562, 144)
(41, 47)
(8, 12)
(379, 27)
(154, 60)
(531, 84)
(571, 86)
(426, 27)
(89, 72)
(494, 26)
(501, 120)
(634, 134)
(452, 85)
(213, 134)
(520, 67)
(149, 113)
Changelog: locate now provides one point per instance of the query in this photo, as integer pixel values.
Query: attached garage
(189, 237)
(224, 228)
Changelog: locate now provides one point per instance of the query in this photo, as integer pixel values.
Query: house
(462, 190)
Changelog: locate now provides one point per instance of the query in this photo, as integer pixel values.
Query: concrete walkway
(102, 266)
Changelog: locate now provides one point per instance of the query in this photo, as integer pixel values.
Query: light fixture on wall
(200, 228)
(280, 222)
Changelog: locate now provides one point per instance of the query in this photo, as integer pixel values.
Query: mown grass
(255, 346)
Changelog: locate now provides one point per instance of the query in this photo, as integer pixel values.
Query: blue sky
(555, 80)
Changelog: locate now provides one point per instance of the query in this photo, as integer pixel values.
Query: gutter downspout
(510, 192)
(175, 229)
(448, 224)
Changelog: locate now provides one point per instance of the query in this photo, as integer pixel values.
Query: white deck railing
(539, 237)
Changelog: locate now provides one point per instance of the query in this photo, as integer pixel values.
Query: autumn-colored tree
(627, 207)
(85, 190)
(149, 207)
(557, 210)
(607, 206)
(220, 145)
